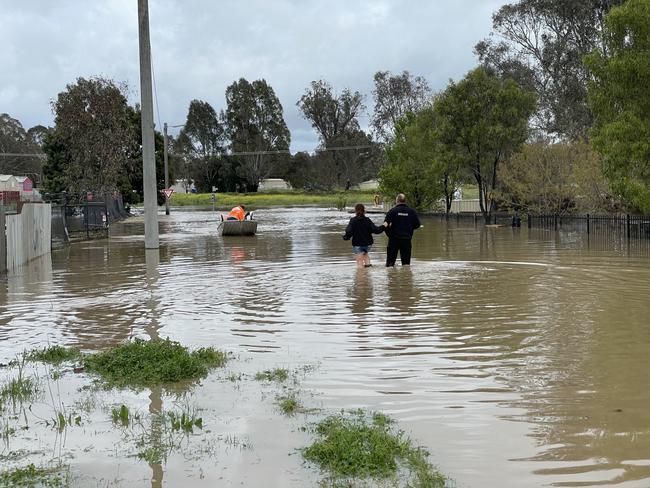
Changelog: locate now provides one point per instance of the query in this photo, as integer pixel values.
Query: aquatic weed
(289, 404)
(31, 476)
(358, 446)
(121, 415)
(277, 374)
(54, 354)
(141, 363)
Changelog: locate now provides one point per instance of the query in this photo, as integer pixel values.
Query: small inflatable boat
(246, 227)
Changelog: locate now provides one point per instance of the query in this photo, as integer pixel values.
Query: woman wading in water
(360, 230)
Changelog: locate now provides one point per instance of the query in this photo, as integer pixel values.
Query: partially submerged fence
(85, 219)
(627, 226)
(608, 227)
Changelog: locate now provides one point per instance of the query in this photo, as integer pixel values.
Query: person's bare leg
(359, 258)
(366, 259)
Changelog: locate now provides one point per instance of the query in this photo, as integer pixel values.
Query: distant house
(9, 183)
(274, 184)
(368, 185)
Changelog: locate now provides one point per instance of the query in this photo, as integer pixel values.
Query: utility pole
(166, 167)
(148, 154)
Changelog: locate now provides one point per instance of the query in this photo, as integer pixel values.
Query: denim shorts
(361, 249)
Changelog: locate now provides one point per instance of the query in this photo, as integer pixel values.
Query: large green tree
(620, 99)
(93, 137)
(482, 120)
(347, 154)
(255, 125)
(413, 166)
(202, 146)
(540, 44)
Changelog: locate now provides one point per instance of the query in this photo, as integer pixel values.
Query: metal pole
(166, 167)
(148, 154)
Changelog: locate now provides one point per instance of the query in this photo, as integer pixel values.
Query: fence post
(87, 219)
(628, 226)
(555, 218)
(587, 223)
(528, 220)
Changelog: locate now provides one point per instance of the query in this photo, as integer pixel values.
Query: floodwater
(517, 357)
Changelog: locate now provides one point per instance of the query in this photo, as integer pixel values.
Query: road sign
(167, 192)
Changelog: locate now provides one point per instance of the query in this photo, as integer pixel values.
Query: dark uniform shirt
(402, 220)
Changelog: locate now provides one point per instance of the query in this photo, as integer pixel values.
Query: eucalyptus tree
(620, 99)
(254, 122)
(395, 96)
(541, 45)
(482, 120)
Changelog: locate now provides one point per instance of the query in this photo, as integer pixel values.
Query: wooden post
(587, 223)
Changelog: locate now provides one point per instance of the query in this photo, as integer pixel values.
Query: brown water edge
(517, 357)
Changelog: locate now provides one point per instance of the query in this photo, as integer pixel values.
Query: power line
(23, 155)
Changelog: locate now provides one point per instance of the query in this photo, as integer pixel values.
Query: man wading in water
(401, 221)
(361, 229)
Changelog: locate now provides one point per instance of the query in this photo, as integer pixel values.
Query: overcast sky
(201, 46)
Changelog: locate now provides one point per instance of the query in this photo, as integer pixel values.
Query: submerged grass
(361, 446)
(289, 404)
(141, 363)
(31, 476)
(277, 374)
(54, 354)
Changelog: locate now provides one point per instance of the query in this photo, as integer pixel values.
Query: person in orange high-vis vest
(237, 213)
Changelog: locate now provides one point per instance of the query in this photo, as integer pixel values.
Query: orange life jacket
(236, 212)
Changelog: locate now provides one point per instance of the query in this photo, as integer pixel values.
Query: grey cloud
(201, 46)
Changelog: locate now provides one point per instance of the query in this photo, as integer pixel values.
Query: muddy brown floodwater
(519, 358)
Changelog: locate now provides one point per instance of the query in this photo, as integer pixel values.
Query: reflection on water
(517, 357)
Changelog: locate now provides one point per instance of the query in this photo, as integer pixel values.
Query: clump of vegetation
(143, 363)
(277, 374)
(55, 354)
(289, 404)
(31, 476)
(184, 422)
(121, 416)
(357, 446)
(340, 203)
(18, 390)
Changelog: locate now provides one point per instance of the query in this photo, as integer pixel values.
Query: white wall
(28, 234)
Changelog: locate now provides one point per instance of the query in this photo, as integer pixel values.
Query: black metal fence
(85, 219)
(606, 226)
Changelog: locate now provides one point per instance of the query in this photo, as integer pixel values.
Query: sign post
(213, 197)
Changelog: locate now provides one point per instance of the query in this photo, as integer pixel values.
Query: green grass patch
(32, 476)
(18, 390)
(289, 404)
(272, 199)
(277, 374)
(141, 363)
(361, 446)
(54, 354)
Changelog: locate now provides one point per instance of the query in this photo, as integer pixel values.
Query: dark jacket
(361, 229)
(402, 221)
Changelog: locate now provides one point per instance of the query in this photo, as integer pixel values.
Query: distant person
(377, 200)
(400, 222)
(237, 213)
(360, 229)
